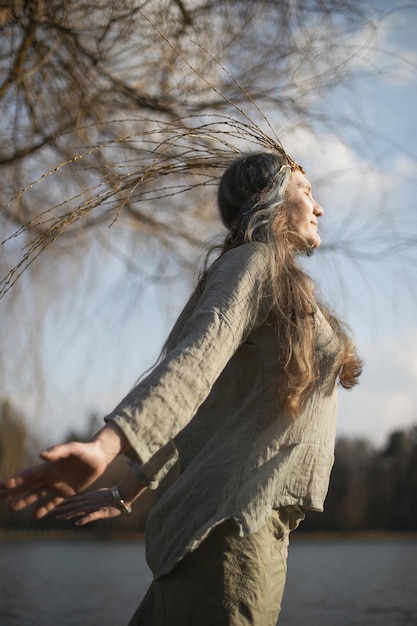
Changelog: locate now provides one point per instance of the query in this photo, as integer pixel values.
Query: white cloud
(405, 166)
(342, 178)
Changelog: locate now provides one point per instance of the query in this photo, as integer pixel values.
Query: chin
(315, 242)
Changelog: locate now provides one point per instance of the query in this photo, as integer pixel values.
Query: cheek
(295, 217)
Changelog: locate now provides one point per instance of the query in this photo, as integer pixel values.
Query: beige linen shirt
(212, 407)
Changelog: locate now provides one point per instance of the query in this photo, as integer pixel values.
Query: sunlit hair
(251, 201)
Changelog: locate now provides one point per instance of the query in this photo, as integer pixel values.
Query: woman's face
(303, 210)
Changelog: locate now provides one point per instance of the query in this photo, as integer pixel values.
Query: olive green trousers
(227, 581)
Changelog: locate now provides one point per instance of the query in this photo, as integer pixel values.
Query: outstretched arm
(67, 469)
(102, 503)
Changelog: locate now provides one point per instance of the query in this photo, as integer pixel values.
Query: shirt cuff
(153, 471)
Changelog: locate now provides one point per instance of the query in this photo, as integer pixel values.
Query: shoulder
(238, 281)
(251, 260)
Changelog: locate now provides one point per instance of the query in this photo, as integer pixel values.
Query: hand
(89, 507)
(68, 469)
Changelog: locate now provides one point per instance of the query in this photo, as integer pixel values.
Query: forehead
(299, 180)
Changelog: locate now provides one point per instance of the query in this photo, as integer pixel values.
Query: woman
(242, 406)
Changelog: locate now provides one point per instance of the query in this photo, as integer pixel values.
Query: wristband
(125, 508)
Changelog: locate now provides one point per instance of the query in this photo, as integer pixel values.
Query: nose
(318, 210)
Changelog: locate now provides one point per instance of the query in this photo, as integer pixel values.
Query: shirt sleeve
(232, 303)
(157, 467)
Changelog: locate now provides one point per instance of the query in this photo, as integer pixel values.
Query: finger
(73, 508)
(47, 506)
(93, 500)
(87, 519)
(30, 498)
(79, 506)
(80, 503)
(71, 503)
(68, 515)
(10, 483)
(61, 451)
(103, 513)
(21, 483)
(76, 506)
(21, 503)
(63, 509)
(56, 452)
(87, 516)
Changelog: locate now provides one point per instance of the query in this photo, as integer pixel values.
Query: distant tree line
(370, 488)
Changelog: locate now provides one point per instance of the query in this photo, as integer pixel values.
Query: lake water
(330, 583)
